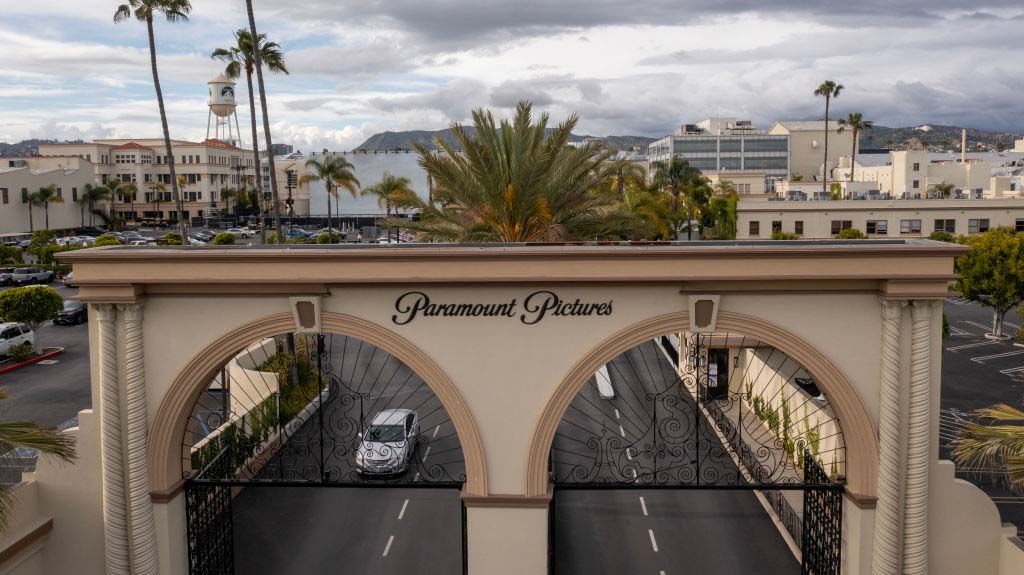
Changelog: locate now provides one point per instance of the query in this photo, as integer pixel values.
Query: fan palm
(626, 173)
(828, 90)
(689, 190)
(127, 194)
(944, 188)
(25, 434)
(856, 122)
(114, 190)
(145, 11)
(392, 191)
(993, 439)
(159, 189)
(335, 172)
(228, 194)
(92, 195)
(517, 182)
(44, 197)
(240, 57)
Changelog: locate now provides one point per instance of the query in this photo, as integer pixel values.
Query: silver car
(389, 443)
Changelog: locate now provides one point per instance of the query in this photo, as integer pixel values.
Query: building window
(840, 225)
(878, 227)
(60, 192)
(1019, 225)
(798, 227)
(74, 194)
(917, 184)
(776, 227)
(24, 195)
(755, 228)
(978, 226)
(3, 195)
(945, 226)
(917, 166)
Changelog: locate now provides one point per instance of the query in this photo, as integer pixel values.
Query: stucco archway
(858, 431)
(165, 445)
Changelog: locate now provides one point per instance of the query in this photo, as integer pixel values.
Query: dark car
(5, 276)
(74, 312)
(90, 231)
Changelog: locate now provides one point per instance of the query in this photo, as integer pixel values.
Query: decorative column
(886, 552)
(915, 512)
(142, 535)
(115, 516)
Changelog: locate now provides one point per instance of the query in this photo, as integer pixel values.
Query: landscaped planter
(47, 353)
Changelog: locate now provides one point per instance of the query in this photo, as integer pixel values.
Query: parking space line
(643, 506)
(622, 432)
(617, 414)
(387, 547)
(967, 345)
(976, 324)
(654, 544)
(629, 455)
(435, 431)
(1012, 370)
(983, 358)
(401, 513)
(426, 454)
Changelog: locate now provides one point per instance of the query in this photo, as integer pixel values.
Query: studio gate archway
(165, 445)
(858, 431)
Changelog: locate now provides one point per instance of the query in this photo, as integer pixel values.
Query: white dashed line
(976, 324)
(654, 544)
(392, 539)
(965, 346)
(643, 506)
(622, 432)
(426, 454)
(435, 431)
(617, 414)
(401, 513)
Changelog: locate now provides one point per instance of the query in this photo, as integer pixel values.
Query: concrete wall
(71, 181)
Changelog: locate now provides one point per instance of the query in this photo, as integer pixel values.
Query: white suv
(14, 334)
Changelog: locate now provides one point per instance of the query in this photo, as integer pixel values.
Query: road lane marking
(654, 544)
(426, 454)
(435, 431)
(388, 546)
(965, 346)
(957, 331)
(982, 358)
(617, 414)
(622, 432)
(401, 513)
(643, 506)
(976, 324)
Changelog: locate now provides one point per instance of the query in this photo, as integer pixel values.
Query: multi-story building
(293, 192)
(807, 146)
(910, 174)
(206, 168)
(759, 219)
(719, 145)
(20, 177)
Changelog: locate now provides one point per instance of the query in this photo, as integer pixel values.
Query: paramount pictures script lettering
(535, 308)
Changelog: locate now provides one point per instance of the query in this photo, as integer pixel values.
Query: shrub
(23, 352)
(9, 254)
(852, 234)
(40, 238)
(224, 239)
(45, 253)
(328, 238)
(941, 236)
(106, 240)
(171, 239)
(784, 236)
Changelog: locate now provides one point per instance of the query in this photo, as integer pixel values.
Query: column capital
(922, 308)
(105, 311)
(891, 308)
(132, 311)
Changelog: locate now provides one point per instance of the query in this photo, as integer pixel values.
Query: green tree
(43, 197)
(784, 236)
(851, 234)
(31, 305)
(626, 174)
(944, 189)
(224, 239)
(992, 273)
(159, 189)
(392, 191)
(722, 211)
(835, 191)
(689, 190)
(517, 181)
(854, 121)
(114, 190)
(106, 240)
(240, 58)
(828, 90)
(335, 172)
(91, 196)
(941, 236)
(45, 440)
(172, 239)
(173, 11)
(328, 238)
(993, 438)
(8, 254)
(229, 195)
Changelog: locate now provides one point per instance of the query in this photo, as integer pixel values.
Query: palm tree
(828, 90)
(516, 181)
(45, 440)
(159, 189)
(993, 439)
(239, 57)
(257, 58)
(856, 122)
(335, 172)
(92, 195)
(173, 11)
(391, 191)
(626, 173)
(44, 197)
(127, 194)
(689, 190)
(228, 194)
(114, 190)
(944, 188)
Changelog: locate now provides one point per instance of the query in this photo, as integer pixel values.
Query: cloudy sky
(359, 67)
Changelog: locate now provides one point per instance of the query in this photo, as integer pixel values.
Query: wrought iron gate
(713, 412)
(327, 418)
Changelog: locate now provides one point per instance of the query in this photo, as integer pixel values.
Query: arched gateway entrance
(501, 349)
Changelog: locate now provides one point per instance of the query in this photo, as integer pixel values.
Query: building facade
(807, 146)
(20, 177)
(910, 174)
(726, 145)
(758, 219)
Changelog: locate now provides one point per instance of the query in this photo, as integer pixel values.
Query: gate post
(507, 534)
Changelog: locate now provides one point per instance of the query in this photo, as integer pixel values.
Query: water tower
(222, 108)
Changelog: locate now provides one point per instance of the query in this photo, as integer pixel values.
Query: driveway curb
(53, 351)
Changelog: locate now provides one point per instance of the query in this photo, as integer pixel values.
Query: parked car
(6, 276)
(296, 233)
(204, 236)
(23, 276)
(389, 443)
(24, 244)
(140, 242)
(13, 335)
(240, 233)
(91, 231)
(74, 312)
(69, 280)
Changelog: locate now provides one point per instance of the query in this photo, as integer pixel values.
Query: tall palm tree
(127, 194)
(335, 172)
(45, 440)
(159, 189)
(114, 190)
(828, 90)
(391, 191)
(92, 195)
(627, 173)
(689, 190)
(856, 122)
(44, 197)
(228, 195)
(258, 63)
(240, 57)
(516, 181)
(993, 439)
(145, 11)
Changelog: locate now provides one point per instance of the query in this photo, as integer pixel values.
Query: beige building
(745, 184)
(20, 177)
(877, 218)
(1019, 146)
(807, 146)
(910, 174)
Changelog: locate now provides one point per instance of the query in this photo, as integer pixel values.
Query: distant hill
(407, 140)
(26, 148)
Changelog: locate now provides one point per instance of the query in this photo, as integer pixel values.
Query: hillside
(25, 148)
(407, 140)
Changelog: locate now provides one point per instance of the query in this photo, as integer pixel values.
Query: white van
(14, 334)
